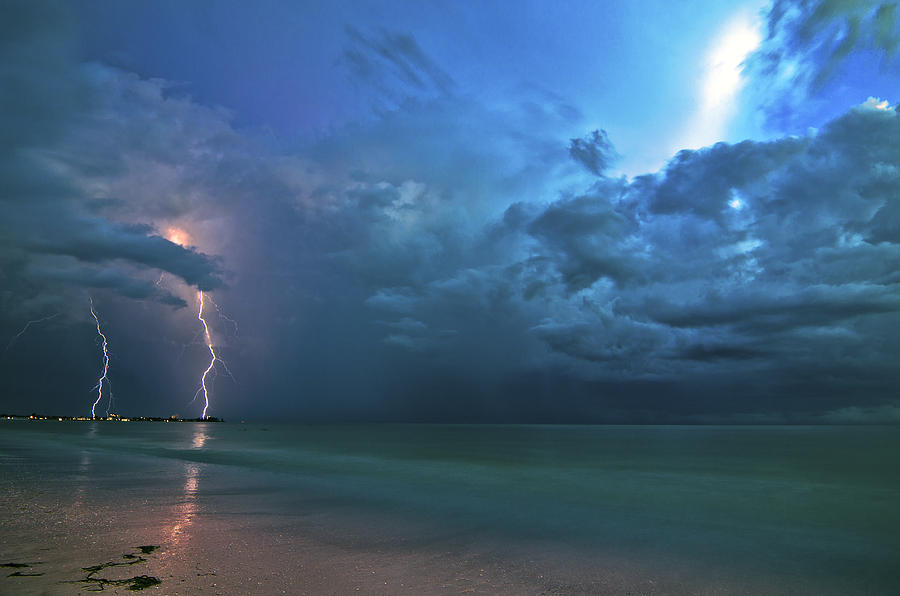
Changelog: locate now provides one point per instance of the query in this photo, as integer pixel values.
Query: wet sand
(236, 540)
(79, 521)
(211, 555)
(229, 544)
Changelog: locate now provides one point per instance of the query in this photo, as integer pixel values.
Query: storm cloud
(445, 256)
(46, 216)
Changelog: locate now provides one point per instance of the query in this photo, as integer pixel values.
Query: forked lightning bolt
(214, 359)
(212, 362)
(103, 377)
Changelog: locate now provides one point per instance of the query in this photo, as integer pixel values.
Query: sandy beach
(210, 552)
(235, 542)
(101, 510)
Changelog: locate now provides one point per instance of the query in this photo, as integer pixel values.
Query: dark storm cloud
(753, 312)
(755, 258)
(455, 259)
(713, 352)
(750, 269)
(617, 344)
(95, 240)
(45, 100)
(701, 182)
(69, 272)
(587, 238)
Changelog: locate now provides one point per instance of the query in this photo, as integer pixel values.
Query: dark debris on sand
(12, 565)
(136, 583)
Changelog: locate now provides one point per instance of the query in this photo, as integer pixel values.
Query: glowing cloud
(177, 235)
(721, 82)
(723, 70)
(876, 103)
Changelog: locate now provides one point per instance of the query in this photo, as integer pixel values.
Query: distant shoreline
(110, 418)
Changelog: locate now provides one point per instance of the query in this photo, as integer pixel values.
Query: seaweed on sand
(22, 566)
(147, 549)
(136, 583)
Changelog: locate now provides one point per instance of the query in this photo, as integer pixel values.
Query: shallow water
(810, 504)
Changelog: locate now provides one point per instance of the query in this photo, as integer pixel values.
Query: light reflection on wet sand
(254, 531)
(82, 479)
(83, 473)
(177, 533)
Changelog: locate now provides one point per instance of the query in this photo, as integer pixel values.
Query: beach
(194, 508)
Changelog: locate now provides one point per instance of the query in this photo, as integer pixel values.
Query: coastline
(224, 529)
(221, 551)
(229, 537)
(232, 543)
(108, 418)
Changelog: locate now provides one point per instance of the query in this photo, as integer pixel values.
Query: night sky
(497, 211)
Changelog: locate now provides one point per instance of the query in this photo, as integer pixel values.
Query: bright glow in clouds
(177, 235)
(722, 81)
(103, 377)
(723, 71)
(876, 103)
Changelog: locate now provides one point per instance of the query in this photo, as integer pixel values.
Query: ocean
(712, 509)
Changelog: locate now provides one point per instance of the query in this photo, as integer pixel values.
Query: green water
(817, 502)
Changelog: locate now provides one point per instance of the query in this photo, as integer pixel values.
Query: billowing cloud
(47, 104)
(767, 253)
(448, 255)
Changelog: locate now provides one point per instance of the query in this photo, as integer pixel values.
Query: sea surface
(804, 506)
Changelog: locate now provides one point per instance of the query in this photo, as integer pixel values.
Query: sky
(536, 212)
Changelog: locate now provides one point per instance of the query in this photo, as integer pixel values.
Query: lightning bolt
(212, 362)
(103, 377)
(35, 322)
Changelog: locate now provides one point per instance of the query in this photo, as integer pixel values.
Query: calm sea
(819, 502)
